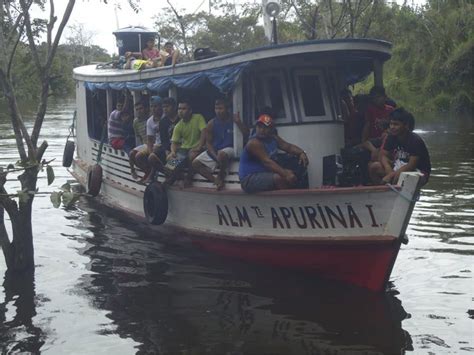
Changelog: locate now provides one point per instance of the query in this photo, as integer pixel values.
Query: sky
(102, 19)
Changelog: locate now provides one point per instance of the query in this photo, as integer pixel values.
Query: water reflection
(17, 331)
(103, 286)
(173, 299)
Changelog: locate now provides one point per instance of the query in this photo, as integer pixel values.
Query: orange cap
(265, 120)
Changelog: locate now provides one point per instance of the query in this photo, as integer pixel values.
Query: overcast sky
(102, 19)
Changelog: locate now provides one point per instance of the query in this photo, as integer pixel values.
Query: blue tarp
(223, 79)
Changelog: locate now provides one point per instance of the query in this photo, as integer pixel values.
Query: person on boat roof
(402, 151)
(219, 143)
(153, 139)
(150, 52)
(134, 61)
(258, 170)
(139, 127)
(168, 121)
(187, 140)
(171, 56)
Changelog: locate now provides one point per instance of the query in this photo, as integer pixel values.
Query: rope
(102, 141)
(417, 196)
(72, 126)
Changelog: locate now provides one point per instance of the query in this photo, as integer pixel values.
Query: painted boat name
(304, 217)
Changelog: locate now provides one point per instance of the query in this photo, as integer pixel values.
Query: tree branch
(25, 8)
(45, 79)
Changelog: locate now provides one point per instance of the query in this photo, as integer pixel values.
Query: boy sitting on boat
(402, 151)
(151, 53)
(258, 170)
(219, 144)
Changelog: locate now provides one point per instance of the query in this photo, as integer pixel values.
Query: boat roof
(345, 50)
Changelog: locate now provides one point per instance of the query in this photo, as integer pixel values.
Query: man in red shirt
(376, 114)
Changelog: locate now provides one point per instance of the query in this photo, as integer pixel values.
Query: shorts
(180, 160)
(117, 143)
(206, 159)
(258, 182)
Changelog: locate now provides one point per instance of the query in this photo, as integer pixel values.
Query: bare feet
(219, 183)
(134, 175)
(187, 181)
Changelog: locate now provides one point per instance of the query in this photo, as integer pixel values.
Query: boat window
(271, 91)
(96, 102)
(312, 96)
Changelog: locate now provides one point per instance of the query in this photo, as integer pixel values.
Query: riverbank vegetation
(431, 70)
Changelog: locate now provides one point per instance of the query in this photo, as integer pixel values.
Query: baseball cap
(266, 120)
(156, 100)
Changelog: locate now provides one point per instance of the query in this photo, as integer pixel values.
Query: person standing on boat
(139, 127)
(402, 151)
(258, 171)
(219, 144)
(170, 119)
(187, 140)
(377, 113)
(120, 132)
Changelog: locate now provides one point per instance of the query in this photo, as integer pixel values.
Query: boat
(352, 234)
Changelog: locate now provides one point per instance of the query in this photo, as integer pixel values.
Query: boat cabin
(300, 81)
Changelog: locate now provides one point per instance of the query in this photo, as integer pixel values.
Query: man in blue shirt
(219, 144)
(258, 169)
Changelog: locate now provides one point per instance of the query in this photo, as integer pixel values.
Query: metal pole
(274, 31)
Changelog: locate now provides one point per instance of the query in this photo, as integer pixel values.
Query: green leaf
(66, 187)
(23, 196)
(69, 198)
(50, 173)
(56, 198)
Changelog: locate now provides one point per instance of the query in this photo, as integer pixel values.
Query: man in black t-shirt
(403, 151)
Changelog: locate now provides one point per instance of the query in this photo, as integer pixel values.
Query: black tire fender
(68, 153)
(94, 180)
(155, 203)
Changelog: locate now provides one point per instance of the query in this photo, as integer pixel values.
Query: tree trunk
(19, 253)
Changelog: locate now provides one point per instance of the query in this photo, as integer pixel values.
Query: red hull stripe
(367, 266)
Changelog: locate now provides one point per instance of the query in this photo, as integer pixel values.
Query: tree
(225, 29)
(19, 30)
(79, 39)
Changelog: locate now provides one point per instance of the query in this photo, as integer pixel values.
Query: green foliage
(27, 81)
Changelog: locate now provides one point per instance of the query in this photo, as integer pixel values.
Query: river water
(102, 286)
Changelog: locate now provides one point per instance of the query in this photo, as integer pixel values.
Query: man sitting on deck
(187, 140)
(153, 138)
(258, 170)
(407, 149)
(219, 144)
(170, 119)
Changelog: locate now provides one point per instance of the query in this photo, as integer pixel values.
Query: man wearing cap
(258, 170)
(219, 144)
